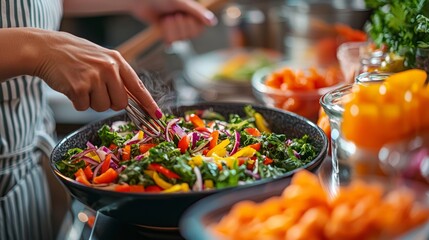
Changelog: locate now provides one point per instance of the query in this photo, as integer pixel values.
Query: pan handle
(131, 48)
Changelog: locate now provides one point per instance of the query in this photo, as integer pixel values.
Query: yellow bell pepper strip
(160, 182)
(174, 188)
(93, 156)
(109, 176)
(245, 152)
(208, 184)
(183, 187)
(219, 149)
(196, 161)
(261, 123)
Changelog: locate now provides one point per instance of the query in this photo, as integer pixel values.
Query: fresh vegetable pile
(299, 90)
(199, 151)
(361, 210)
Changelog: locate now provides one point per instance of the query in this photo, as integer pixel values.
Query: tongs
(150, 126)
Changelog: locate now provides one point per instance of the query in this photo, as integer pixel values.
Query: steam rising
(160, 89)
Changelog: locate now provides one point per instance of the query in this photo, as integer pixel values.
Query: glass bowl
(301, 102)
(198, 222)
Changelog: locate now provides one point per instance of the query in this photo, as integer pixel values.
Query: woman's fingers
(136, 87)
(196, 10)
(115, 87)
(180, 27)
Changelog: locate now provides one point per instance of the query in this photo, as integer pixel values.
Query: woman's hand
(89, 75)
(178, 19)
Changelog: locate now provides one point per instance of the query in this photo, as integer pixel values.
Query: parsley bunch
(401, 25)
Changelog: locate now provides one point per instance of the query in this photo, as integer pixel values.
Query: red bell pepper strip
(253, 131)
(137, 188)
(268, 161)
(184, 144)
(126, 153)
(196, 121)
(106, 163)
(215, 136)
(164, 171)
(109, 176)
(153, 188)
(145, 147)
(256, 146)
(113, 146)
(81, 177)
(123, 188)
(88, 172)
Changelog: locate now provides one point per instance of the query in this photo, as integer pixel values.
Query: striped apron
(26, 127)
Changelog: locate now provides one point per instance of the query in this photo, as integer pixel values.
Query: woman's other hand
(178, 19)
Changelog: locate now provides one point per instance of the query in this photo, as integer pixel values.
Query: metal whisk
(150, 126)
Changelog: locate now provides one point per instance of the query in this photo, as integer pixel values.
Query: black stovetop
(102, 227)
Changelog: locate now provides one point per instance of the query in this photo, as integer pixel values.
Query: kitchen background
(290, 28)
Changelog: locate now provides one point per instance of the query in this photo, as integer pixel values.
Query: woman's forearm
(17, 52)
(96, 7)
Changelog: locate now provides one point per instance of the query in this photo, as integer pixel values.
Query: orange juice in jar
(375, 110)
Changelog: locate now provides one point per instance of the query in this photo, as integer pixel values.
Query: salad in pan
(200, 151)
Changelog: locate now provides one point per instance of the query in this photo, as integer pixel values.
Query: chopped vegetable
(209, 154)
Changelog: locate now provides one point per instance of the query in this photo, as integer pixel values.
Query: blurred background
(290, 29)
(299, 33)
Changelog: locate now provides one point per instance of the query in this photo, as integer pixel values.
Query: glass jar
(347, 160)
(422, 59)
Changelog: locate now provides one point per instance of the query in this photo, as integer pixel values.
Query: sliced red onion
(178, 130)
(226, 132)
(168, 128)
(90, 160)
(146, 139)
(120, 169)
(113, 165)
(131, 142)
(96, 170)
(101, 154)
(135, 139)
(256, 166)
(297, 155)
(139, 157)
(236, 143)
(105, 149)
(83, 153)
(201, 146)
(198, 185)
(252, 174)
(288, 142)
(90, 145)
(195, 138)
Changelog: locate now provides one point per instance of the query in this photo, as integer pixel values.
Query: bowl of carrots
(295, 89)
(365, 208)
